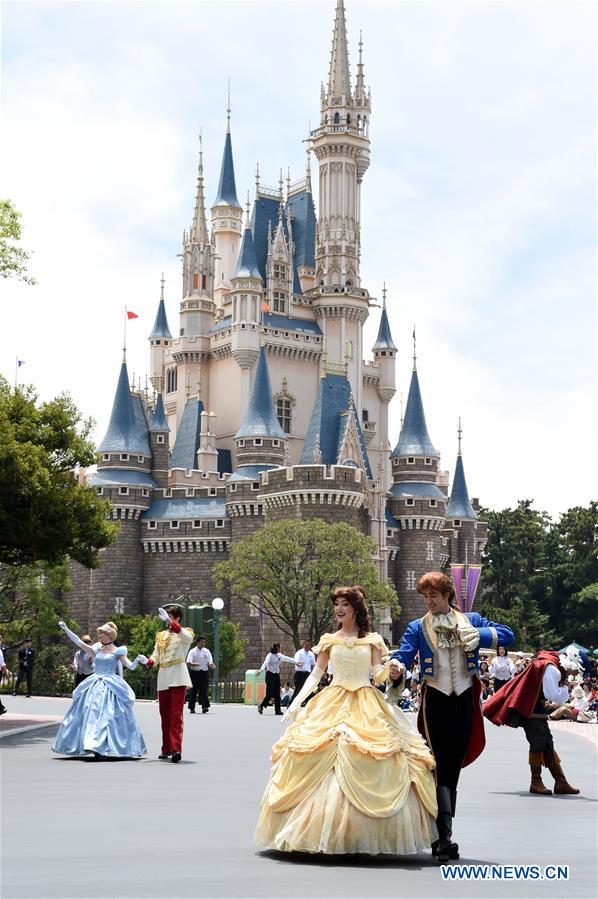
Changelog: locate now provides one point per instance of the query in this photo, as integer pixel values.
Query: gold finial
(162, 282)
(459, 435)
(228, 109)
(414, 351)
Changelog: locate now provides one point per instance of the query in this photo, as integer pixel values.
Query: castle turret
(158, 437)
(160, 342)
(246, 298)
(279, 270)
(197, 306)
(260, 439)
(385, 352)
(227, 222)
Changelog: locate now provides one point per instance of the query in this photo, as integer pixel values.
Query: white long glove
(163, 614)
(307, 689)
(136, 661)
(469, 636)
(73, 637)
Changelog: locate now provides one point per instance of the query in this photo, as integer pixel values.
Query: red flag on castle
(131, 315)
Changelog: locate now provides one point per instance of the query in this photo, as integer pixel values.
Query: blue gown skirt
(101, 720)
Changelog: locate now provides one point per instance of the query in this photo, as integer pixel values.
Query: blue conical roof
(384, 339)
(459, 505)
(246, 263)
(161, 328)
(414, 439)
(184, 454)
(227, 190)
(127, 429)
(159, 422)
(260, 419)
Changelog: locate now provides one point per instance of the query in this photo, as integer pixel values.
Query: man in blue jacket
(450, 715)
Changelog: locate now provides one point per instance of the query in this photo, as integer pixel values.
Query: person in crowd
(271, 664)
(286, 695)
(26, 662)
(200, 663)
(4, 673)
(351, 774)
(101, 720)
(170, 653)
(577, 709)
(302, 672)
(448, 642)
(485, 679)
(502, 668)
(527, 702)
(83, 661)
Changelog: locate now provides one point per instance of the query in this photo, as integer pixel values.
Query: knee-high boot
(536, 786)
(446, 849)
(561, 786)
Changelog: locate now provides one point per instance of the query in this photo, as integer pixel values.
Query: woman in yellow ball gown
(351, 774)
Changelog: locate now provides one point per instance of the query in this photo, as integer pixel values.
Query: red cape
(477, 739)
(521, 693)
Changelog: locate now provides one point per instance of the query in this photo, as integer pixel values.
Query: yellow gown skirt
(350, 775)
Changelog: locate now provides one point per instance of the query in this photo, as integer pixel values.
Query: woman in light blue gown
(101, 719)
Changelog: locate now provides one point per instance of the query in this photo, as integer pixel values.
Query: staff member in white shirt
(199, 661)
(502, 668)
(83, 663)
(272, 665)
(302, 672)
(4, 672)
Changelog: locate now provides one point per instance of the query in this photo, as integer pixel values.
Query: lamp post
(217, 605)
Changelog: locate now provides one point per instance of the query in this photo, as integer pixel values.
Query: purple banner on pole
(457, 576)
(473, 579)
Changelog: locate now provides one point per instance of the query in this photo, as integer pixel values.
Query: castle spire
(161, 329)
(127, 429)
(260, 419)
(339, 79)
(227, 190)
(414, 439)
(199, 227)
(360, 82)
(384, 339)
(247, 263)
(459, 505)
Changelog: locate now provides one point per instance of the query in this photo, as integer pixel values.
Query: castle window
(190, 491)
(411, 580)
(106, 457)
(255, 485)
(280, 270)
(145, 492)
(456, 523)
(123, 491)
(171, 380)
(427, 461)
(197, 524)
(283, 413)
(233, 488)
(430, 551)
(158, 343)
(141, 459)
(241, 443)
(119, 605)
(433, 503)
(212, 491)
(195, 281)
(99, 490)
(276, 443)
(279, 301)
(220, 522)
(160, 438)
(409, 502)
(152, 525)
(174, 525)
(410, 460)
(389, 533)
(124, 457)
(365, 415)
(258, 441)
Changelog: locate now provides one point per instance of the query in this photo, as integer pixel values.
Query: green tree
(45, 513)
(32, 601)
(232, 646)
(288, 568)
(13, 258)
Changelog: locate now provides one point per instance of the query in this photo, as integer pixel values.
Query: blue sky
(479, 207)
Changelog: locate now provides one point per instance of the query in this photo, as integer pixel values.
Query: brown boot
(536, 786)
(561, 787)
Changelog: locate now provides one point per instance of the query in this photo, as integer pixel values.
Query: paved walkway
(145, 829)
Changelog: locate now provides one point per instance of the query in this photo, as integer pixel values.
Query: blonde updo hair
(110, 629)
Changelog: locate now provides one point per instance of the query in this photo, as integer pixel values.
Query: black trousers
(80, 677)
(448, 721)
(538, 734)
(299, 679)
(272, 691)
(24, 672)
(200, 681)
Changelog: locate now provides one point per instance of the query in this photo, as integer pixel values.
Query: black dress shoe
(175, 757)
(165, 755)
(204, 711)
(279, 713)
(192, 711)
(260, 710)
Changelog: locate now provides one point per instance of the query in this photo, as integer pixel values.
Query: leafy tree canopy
(288, 568)
(13, 258)
(45, 513)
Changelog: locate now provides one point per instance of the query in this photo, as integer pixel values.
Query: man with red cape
(522, 703)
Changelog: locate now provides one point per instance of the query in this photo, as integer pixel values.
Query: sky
(478, 209)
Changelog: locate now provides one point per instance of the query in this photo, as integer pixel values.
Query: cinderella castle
(264, 407)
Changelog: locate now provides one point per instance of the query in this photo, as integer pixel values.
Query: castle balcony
(369, 430)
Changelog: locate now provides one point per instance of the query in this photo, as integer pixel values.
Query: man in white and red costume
(170, 653)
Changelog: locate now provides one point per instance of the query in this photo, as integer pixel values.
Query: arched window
(336, 118)
(171, 380)
(349, 349)
(284, 413)
(195, 281)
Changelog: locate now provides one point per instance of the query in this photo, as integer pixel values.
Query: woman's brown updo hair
(356, 596)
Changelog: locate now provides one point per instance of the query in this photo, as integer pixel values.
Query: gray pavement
(147, 829)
